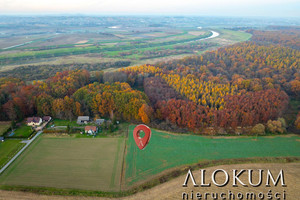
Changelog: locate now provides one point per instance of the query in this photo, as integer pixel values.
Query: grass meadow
(23, 131)
(166, 151)
(8, 149)
(77, 163)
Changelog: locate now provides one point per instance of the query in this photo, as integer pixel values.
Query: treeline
(69, 94)
(135, 75)
(113, 100)
(189, 103)
(240, 110)
(19, 100)
(156, 53)
(158, 90)
(40, 72)
(240, 85)
(178, 49)
(187, 48)
(206, 93)
(250, 66)
(195, 46)
(287, 37)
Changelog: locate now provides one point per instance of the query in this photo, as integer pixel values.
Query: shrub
(283, 123)
(258, 129)
(238, 130)
(275, 126)
(221, 131)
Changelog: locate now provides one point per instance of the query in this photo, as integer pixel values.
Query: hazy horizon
(218, 8)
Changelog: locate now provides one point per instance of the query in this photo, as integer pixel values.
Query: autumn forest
(246, 86)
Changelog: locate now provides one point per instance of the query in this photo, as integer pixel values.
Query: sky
(268, 8)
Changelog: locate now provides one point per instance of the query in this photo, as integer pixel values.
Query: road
(19, 153)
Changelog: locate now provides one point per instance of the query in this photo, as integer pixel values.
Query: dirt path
(173, 189)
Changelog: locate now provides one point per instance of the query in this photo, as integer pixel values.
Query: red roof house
(90, 129)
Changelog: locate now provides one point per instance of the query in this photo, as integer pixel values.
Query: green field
(61, 122)
(237, 36)
(166, 151)
(96, 163)
(23, 131)
(90, 164)
(8, 149)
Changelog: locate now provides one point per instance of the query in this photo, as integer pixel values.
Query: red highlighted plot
(141, 142)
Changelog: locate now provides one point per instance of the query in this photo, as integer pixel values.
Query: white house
(83, 119)
(34, 121)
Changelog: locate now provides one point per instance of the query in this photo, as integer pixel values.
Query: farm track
(122, 177)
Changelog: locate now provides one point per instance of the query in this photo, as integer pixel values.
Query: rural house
(92, 130)
(83, 119)
(46, 118)
(100, 121)
(34, 121)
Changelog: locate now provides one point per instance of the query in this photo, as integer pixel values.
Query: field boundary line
(20, 152)
(113, 176)
(124, 157)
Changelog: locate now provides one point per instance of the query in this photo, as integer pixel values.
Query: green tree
(68, 130)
